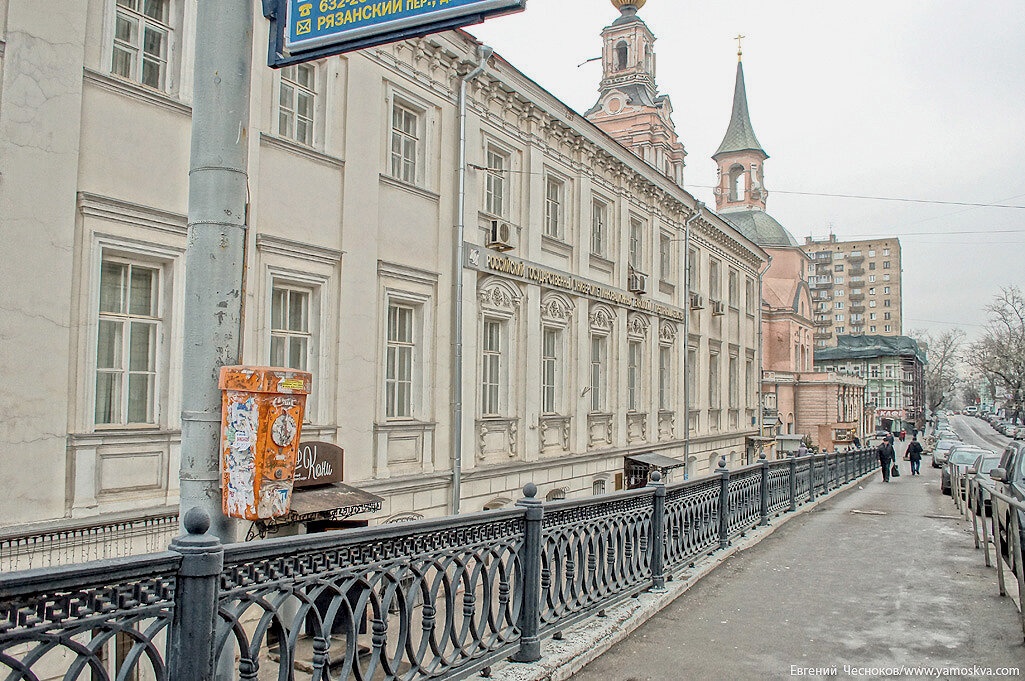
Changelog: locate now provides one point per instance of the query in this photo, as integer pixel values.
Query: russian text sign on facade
(302, 30)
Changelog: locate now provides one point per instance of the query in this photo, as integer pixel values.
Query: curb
(584, 643)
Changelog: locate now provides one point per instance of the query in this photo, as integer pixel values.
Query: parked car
(982, 466)
(958, 461)
(1010, 479)
(939, 454)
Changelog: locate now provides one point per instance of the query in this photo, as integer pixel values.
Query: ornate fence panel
(744, 499)
(692, 520)
(803, 468)
(779, 487)
(429, 599)
(98, 621)
(594, 552)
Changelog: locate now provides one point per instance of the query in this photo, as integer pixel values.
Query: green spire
(740, 136)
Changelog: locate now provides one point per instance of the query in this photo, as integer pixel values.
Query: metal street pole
(215, 254)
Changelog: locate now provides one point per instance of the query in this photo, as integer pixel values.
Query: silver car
(960, 458)
(939, 454)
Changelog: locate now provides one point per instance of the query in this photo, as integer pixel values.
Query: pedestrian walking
(886, 457)
(802, 450)
(915, 454)
(857, 442)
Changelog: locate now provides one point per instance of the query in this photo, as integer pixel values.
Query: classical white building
(579, 330)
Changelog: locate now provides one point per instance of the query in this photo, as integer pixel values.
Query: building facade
(584, 316)
(893, 369)
(856, 288)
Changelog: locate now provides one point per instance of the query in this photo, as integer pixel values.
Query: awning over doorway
(336, 501)
(656, 460)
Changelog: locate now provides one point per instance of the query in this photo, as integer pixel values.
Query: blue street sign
(302, 30)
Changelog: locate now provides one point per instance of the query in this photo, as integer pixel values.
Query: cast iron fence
(428, 599)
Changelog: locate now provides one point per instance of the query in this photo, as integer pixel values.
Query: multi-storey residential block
(609, 324)
(856, 288)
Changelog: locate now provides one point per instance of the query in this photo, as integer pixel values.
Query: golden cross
(739, 50)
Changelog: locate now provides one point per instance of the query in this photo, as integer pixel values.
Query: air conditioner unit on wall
(499, 236)
(718, 308)
(697, 302)
(636, 282)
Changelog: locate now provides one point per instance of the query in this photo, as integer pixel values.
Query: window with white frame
(554, 189)
(733, 287)
(692, 376)
(636, 243)
(290, 337)
(128, 332)
(633, 375)
(749, 381)
(599, 227)
(405, 140)
(297, 97)
(599, 377)
(734, 375)
(714, 279)
(494, 183)
(693, 270)
(399, 360)
(749, 296)
(665, 378)
(142, 41)
(491, 368)
(665, 259)
(713, 381)
(550, 351)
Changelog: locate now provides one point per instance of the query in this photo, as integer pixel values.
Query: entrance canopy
(656, 460)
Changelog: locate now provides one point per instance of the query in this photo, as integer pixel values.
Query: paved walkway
(843, 584)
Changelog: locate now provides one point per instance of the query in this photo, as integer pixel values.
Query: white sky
(921, 99)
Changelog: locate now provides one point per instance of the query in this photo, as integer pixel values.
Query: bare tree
(943, 352)
(1000, 353)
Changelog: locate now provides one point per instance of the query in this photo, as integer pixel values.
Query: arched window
(738, 183)
(649, 60)
(496, 504)
(621, 55)
(555, 495)
(598, 486)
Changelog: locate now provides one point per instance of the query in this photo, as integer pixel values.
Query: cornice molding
(119, 210)
(300, 150)
(127, 88)
(269, 243)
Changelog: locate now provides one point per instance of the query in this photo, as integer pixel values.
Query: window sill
(409, 187)
(666, 287)
(601, 263)
(129, 88)
(556, 246)
(294, 147)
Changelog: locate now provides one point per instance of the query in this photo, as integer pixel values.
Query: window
(886, 302)
(871, 266)
(633, 375)
(871, 254)
(749, 295)
(872, 329)
(734, 375)
(599, 227)
(693, 270)
(553, 207)
(855, 291)
(126, 345)
(692, 376)
(665, 378)
(296, 100)
(491, 372)
(839, 318)
(886, 316)
(494, 185)
(872, 316)
(886, 251)
(838, 267)
(290, 328)
(665, 261)
(888, 328)
(838, 280)
(733, 287)
(142, 35)
(405, 137)
(598, 380)
(886, 264)
(598, 487)
(839, 329)
(636, 243)
(398, 380)
(886, 289)
(839, 292)
(713, 381)
(872, 291)
(621, 55)
(871, 278)
(714, 279)
(749, 381)
(886, 277)
(549, 370)
(839, 305)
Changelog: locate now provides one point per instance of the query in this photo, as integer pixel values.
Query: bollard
(191, 637)
(793, 481)
(765, 489)
(724, 504)
(658, 531)
(530, 608)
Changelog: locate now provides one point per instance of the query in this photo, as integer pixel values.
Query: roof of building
(867, 347)
(740, 136)
(759, 227)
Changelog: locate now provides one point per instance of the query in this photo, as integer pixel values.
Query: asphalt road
(978, 432)
(884, 574)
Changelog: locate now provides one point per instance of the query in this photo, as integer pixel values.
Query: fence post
(530, 607)
(658, 531)
(1015, 549)
(190, 650)
(724, 504)
(827, 482)
(765, 488)
(811, 477)
(793, 481)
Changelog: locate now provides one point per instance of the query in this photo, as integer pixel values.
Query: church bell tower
(740, 157)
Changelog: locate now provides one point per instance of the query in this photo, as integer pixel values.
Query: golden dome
(620, 4)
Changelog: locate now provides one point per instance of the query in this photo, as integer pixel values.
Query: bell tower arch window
(738, 183)
(622, 52)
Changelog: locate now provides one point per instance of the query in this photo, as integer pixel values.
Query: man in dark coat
(915, 454)
(886, 456)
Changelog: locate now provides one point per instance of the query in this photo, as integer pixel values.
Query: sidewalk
(883, 576)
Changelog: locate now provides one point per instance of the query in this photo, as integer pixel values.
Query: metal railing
(437, 599)
(1003, 529)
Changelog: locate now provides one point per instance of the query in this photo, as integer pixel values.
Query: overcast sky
(921, 99)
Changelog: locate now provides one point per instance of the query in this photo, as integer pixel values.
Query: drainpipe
(698, 207)
(483, 54)
(761, 414)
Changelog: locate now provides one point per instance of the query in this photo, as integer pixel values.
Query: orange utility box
(261, 417)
